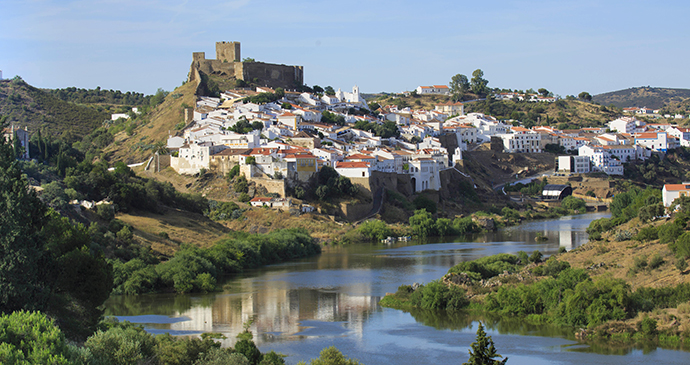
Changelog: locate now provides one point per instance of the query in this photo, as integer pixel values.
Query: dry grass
(619, 258)
(180, 226)
(263, 220)
(162, 120)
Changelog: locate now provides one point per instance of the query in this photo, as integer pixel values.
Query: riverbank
(627, 287)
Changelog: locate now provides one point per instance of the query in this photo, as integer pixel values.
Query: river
(301, 307)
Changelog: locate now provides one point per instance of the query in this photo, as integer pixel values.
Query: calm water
(302, 307)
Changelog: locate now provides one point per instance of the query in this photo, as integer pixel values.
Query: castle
(229, 63)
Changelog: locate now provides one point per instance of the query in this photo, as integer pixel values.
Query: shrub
(669, 232)
(105, 212)
(234, 171)
(375, 229)
(681, 264)
(124, 343)
(244, 197)
(422, 202)
(639, 263)
(572, 203)
(648, 233)
(656, 261)
(31, 338)
(536, 256)
(648, 326)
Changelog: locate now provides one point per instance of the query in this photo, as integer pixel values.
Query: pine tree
(483, 351)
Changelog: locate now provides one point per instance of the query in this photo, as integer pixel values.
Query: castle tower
(228, 51)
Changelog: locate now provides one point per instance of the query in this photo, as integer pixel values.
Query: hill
(36, 109)
(650, 97)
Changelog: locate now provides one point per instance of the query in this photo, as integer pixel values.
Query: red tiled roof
(260, 199)
(676, 187)
(351, 164)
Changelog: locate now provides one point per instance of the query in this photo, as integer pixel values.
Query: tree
(331, 356)
(329, 90)
(459, 85)
(317, 89)
(584, 96)
(543, 92)
(22, 257)
(478, 83)
(483, 351)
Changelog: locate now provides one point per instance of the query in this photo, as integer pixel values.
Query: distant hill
(651, 97)
(28, 106)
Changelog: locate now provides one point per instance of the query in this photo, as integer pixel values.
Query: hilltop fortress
(229, 63)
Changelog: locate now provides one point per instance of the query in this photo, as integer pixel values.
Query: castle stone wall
(228, 51)
(228, 63)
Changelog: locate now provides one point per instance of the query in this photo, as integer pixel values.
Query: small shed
(553, 191)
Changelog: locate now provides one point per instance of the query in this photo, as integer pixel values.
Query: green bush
(669, 232)
(422, 223)
(422, 202)
(648, 326)
(536, 256)
(31, 338)
(681, 247)
(656, 261)
(648, 233)
(375, 229)
(122, 344)
(488, 267)
(574, 204)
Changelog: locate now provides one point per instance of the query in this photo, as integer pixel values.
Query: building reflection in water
(275, 311)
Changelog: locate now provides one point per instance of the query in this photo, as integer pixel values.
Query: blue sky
(141, 45)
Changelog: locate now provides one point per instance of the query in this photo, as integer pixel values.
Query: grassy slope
(162, 120)
(37, 109)
(619, 259)
(651, 97)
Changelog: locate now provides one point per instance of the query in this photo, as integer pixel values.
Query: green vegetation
(558, 294)
(624, 207)
(374, 230)
(386, 130)
(41, 110)
(656, 171)
(331, 356)
(46, 263)
(332, 118)
(32, 338)
(195, 269)
(423, 224)
(483, 350)
(94, 96)
(330, 185)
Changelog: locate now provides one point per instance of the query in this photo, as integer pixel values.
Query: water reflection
(300, 307)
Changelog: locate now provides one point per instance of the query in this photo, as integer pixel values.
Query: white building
(626, 125)
(574, 164)
(601, 159)
(521, 140)
(655, 141)
(354, 97)
(194, 157)
(683, 135)
(433, 90)
(671, 192)
(425, 174)
(354, 169)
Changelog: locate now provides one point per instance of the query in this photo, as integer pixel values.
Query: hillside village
(293, 137)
